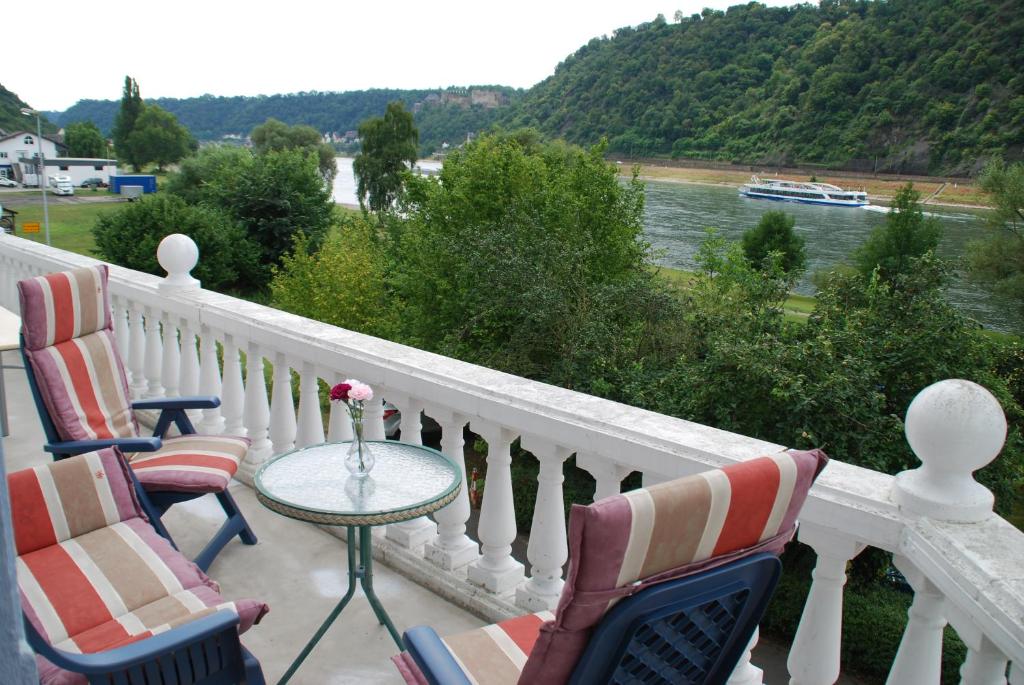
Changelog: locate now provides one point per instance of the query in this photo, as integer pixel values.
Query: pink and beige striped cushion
(666, 531)
(492, 655)
(61, 306)
(84, 388)
(191, 463)
(68, 498)
(93, 574)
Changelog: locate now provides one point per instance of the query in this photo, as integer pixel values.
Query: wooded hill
(920, 86)
(11, 118)
(210, 117)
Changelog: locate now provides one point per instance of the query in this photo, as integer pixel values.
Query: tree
(998, 259)
(774, 233)
(158, 137)
(275, 135)
(906, 235)
(84, 139)
(195, 173)
(390, 145)
(124, 125)
(130, 236)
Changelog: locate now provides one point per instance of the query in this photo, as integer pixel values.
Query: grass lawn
(797, 307)
(70, 224)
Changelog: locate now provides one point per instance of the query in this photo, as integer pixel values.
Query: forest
(921, 86)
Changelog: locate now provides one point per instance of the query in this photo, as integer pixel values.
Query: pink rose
(341, 391)
(360, 392)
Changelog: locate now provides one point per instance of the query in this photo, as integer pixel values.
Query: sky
(226, 47)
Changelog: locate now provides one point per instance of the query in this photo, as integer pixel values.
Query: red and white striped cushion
(84, 387)
(190, 463)
(68, 498)
(492, 655)
(65, 305)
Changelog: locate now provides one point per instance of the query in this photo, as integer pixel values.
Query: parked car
(94, 182)
(8, 182)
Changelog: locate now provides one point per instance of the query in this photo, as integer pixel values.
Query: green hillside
(11, 118)
(908, 85)
(210, 117)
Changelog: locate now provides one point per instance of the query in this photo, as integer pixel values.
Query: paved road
(20, 197)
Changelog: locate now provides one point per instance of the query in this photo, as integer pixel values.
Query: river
(676, 215)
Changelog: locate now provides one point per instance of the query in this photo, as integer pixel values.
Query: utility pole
(40, 167)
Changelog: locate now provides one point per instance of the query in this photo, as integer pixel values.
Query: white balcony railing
(970, 575)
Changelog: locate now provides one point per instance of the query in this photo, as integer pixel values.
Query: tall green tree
(131, 109)
(998, 259)
(905, 236)
(84, 139)
(389, 147)
(775, 234)
(158, 137)
(276, 135)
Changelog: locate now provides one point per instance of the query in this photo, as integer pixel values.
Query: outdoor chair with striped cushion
(81, 391)
(666, 584)
(102, 593)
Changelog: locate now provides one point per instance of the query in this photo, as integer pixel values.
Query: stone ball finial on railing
(955, 427)
(178, 255)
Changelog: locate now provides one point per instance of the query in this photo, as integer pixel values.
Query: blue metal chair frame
(155, 502)
(688, 631)
(206, 651)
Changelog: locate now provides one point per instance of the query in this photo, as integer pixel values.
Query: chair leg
(253, 670)
(235, 525)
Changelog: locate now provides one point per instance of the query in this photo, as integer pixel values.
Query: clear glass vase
(359, 460)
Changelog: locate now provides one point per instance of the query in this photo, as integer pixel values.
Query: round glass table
(312, 484)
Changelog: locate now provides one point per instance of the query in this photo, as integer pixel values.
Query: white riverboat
(798, 191)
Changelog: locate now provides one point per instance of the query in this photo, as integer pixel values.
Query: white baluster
(154, 355)
(452, 548)
(170, 366)
(373, 419)
(607, 473)
(919, 657)
(257, 414)
(311, 425)
(548, 549)
(1016, 674)
(232, 405)
(496, 570)
(119, 310)
(985, 663)
(814, 654)
(189, 384)
(745, 672)
(282, 407)
(339, 423)
(137, 353)
(418, 532)
(212, 422)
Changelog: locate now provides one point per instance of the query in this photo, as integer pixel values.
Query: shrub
(774, 234)
(130, 236)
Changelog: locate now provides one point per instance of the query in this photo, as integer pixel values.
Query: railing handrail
(852, 501)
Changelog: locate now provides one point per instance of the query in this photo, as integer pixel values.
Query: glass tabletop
(314, 479)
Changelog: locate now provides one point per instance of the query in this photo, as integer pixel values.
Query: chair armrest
(72, 447)
(433, 658)
(191, 402)
(137, 653)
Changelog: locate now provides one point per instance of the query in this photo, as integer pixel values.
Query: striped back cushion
(84, 387)
(61, 306)
(667, 531)
(68, 498)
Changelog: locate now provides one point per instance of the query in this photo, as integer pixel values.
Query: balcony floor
(298, 569)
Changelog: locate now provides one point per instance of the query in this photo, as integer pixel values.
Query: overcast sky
(225, 47)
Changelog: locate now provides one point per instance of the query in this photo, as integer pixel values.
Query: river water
(677, 214)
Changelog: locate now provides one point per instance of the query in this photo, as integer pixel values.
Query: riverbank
(880, 190)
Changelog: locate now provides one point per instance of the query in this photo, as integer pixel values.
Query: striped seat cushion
(68, 498)
(61, 306)
(190, 463)
(622, 543)
(492, 655)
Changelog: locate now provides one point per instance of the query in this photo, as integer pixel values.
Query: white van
(61, 185)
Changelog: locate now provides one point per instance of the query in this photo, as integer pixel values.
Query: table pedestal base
(363, 572)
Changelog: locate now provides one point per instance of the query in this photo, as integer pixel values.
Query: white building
(22, 145)
(81, 168)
